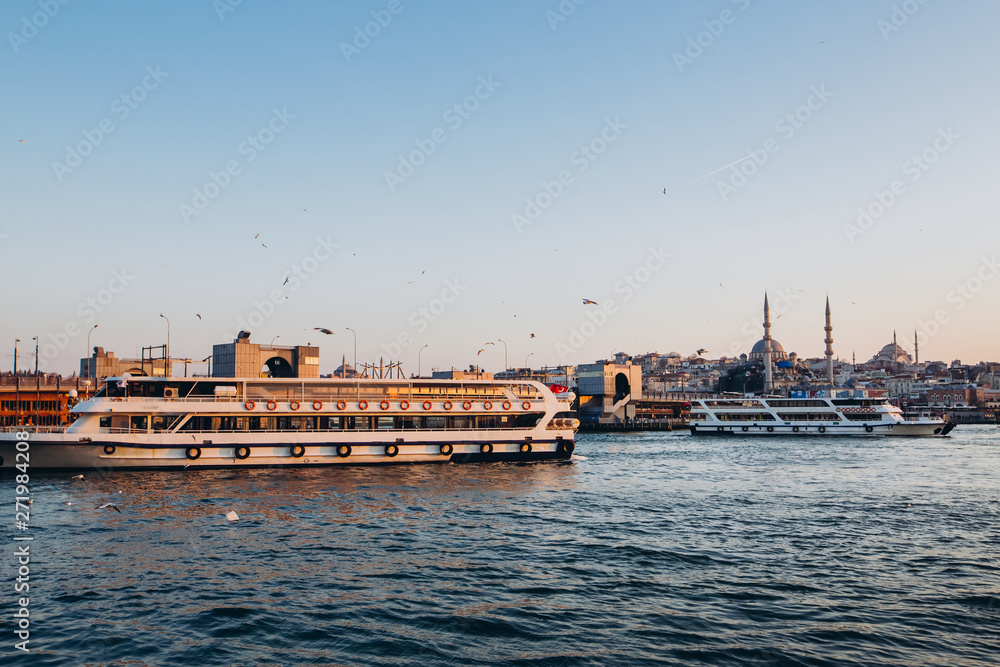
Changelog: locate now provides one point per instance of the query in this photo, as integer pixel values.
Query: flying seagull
(326, 331)
(588, 302)
(285, 283)
(532, 335)
(701, 352)
(109, 506)
(480, 352)
(197, 315)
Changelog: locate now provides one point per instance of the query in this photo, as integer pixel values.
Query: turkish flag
(558, 389)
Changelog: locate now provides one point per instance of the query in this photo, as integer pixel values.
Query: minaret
(916, 348)
(829, 344)
(767, 347)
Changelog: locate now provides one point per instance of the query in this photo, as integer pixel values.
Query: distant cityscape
(648, 389)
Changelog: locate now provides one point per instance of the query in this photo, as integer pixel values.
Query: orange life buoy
(404, 405)
(271, 405)
(294, 405)
(384, 405)
(317, 405)
(341, 405)
(446, 405)
(526, 405)
(506, 405)
(488, 405)
(363, 405)
(427, 405)
(466, 405)
(249, 405)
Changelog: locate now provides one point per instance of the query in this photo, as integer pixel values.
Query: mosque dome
(777, 351)
(892, 353)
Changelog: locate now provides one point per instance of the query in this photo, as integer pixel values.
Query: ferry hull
(51, 454)
(913, 429)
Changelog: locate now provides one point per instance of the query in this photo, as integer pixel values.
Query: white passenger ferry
(808, 416)
(141, 422)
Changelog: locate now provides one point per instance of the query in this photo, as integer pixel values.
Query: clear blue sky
(627, 79)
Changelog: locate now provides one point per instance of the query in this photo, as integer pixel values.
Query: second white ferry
(156, 422)
(808, 416)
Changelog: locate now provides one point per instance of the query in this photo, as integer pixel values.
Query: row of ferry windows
(786, 416)
(30, 406)
(203, 424)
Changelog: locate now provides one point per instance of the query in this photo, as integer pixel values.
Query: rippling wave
(652, 548)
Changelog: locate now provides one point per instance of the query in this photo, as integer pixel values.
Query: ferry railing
(329, 398)
(32, 429)
(205, 434)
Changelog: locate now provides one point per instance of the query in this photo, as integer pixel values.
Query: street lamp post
(166, 361)
(16, 341)
(209, 360)
(275, 338)
(418, 360)
(355, 349)
(526, 362)
(89, 351)
(504, 355)
(36, 355)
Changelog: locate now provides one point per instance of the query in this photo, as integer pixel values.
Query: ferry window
(405, 423)
(487, 422)
(138, 423)
(526, 420)
(434, 422)
(461, 422)
(159, 422)
(105, 422)
(384, 423)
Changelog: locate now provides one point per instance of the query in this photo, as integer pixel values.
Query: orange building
(40, 401)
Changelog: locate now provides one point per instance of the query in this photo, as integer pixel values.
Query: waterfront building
(243, 359)
(103, 364)
(606, 389)
(42, 400)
